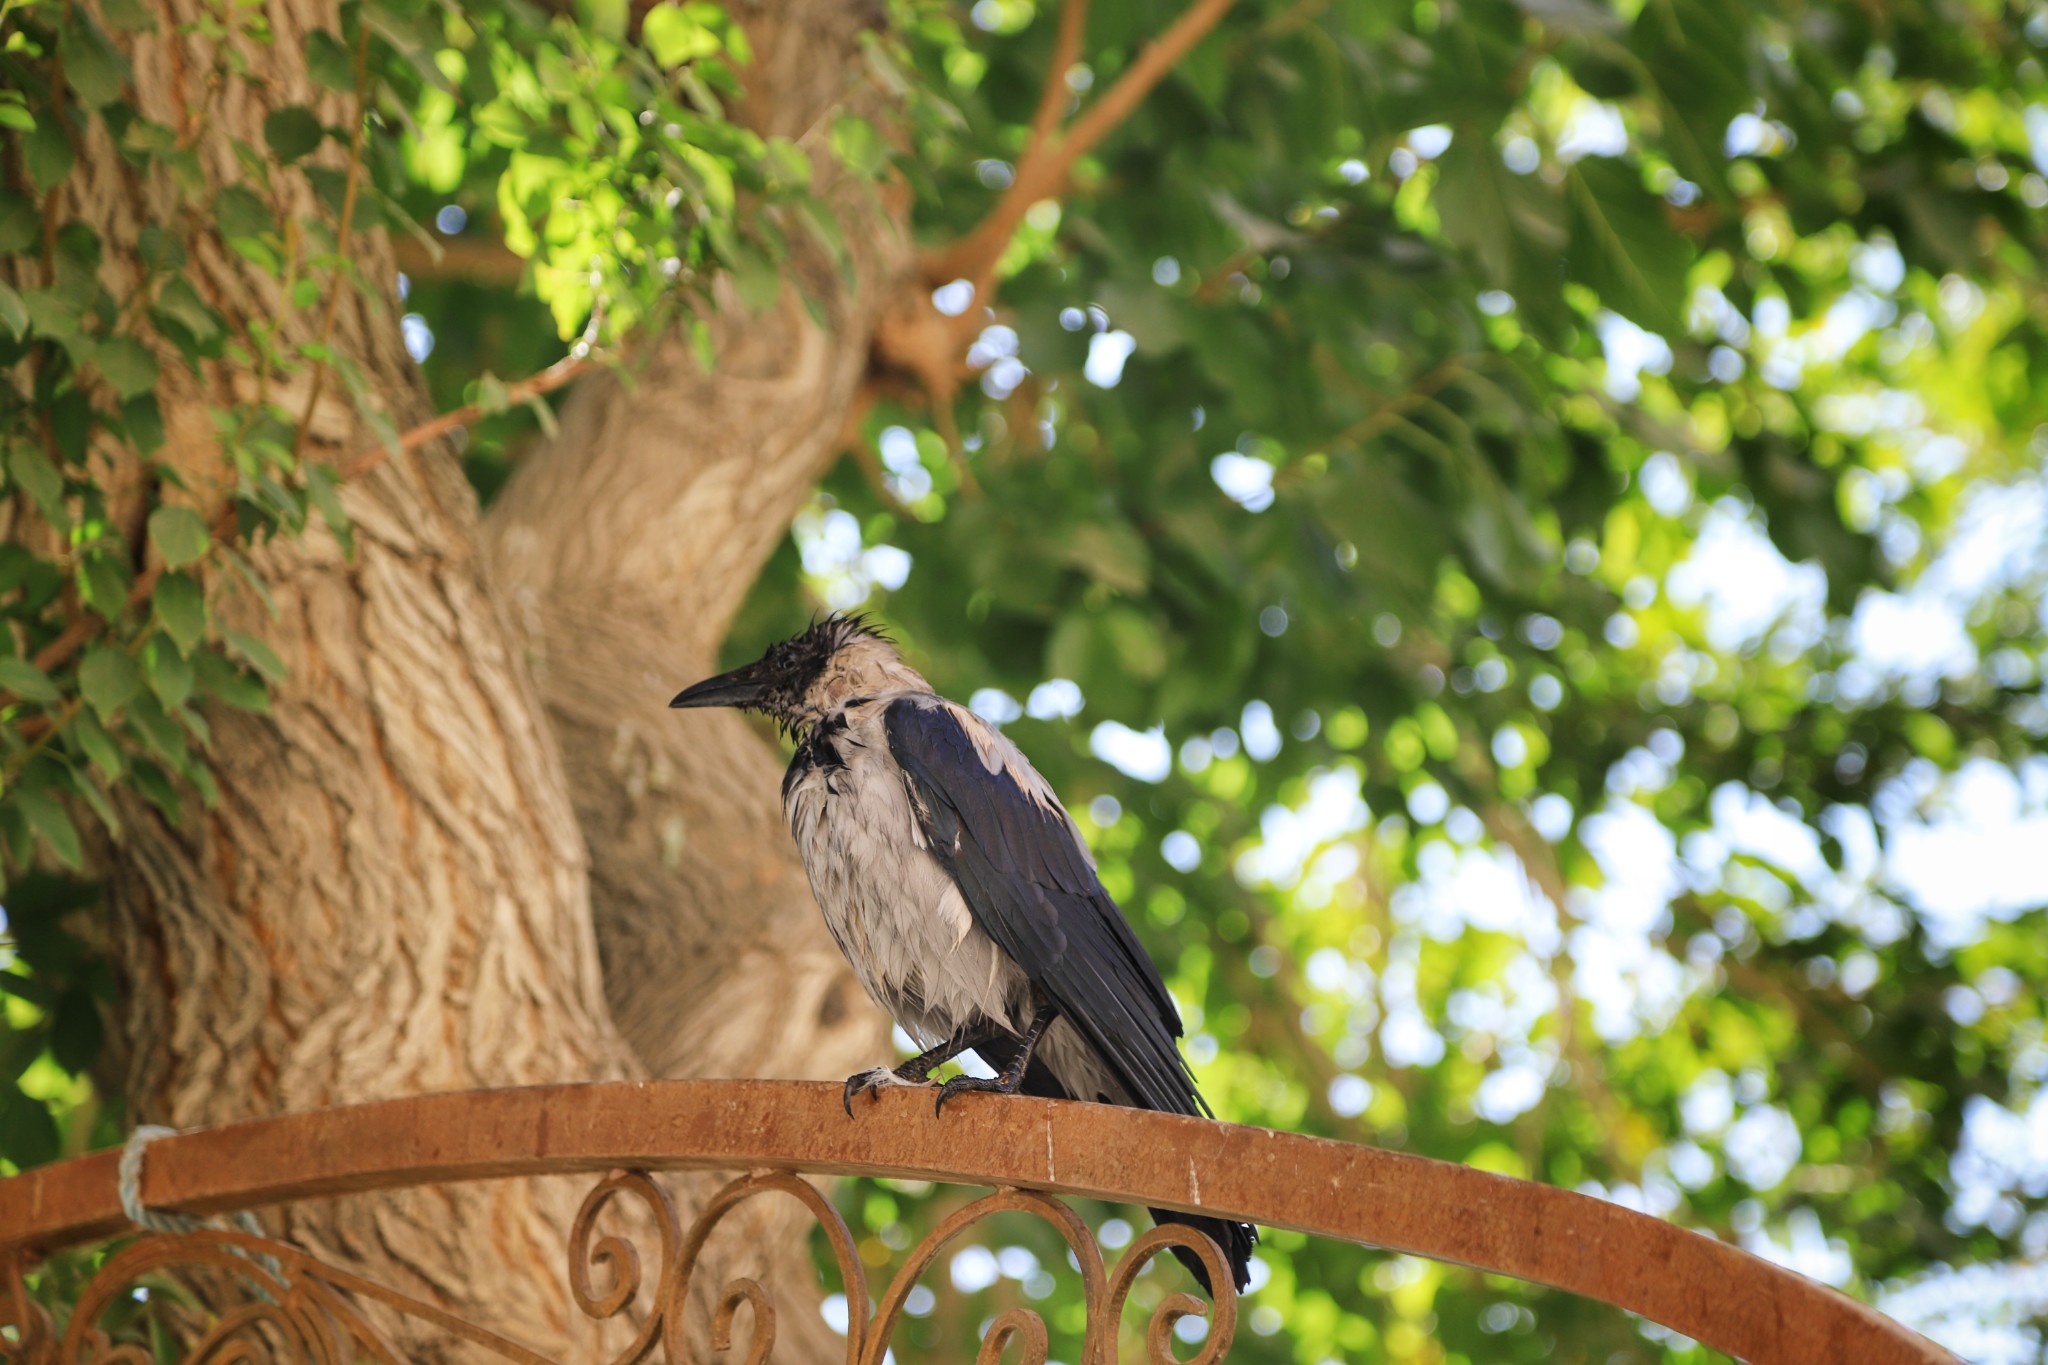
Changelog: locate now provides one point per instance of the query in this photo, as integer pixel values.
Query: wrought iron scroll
(295, 1308)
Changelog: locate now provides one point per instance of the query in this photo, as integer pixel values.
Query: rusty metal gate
(769, 1134)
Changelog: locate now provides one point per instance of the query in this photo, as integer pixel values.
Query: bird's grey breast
(892, 907)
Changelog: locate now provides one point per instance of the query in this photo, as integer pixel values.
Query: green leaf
(756, 280)
(328, 62)
(93, 795)
(180, 605)
(256, 654)
(13, 315)
(31, 470)
(150, 780)
(76, 1035)
(331, 184)
(28, 1134)
(25, 680)
(46, 153)
(201, 778)
(292, 132)
(416, 32)
(170, 675)
(98, 745)
(856, 143)
(19, 226)
(179, 534)
(47, 817)
(252, 580)
(1623, 249)
(196, 726)
(239, 212)
(16, 116)
(224, 682)
(1696, 54)
(161, 251)
(126, 364)
(321, 488)
(109, 680)
(492, 397)
(21, 840)
(143, 421)
(673, 37)
(54, 315)
(104, 579)
(787, 162)
(160, 734)
(179, 301)
(72, 420)
(1491, 212)
(93, 67)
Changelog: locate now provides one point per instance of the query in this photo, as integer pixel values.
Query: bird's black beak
(737, 688)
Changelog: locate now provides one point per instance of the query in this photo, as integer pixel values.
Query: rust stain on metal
(1708, 1290)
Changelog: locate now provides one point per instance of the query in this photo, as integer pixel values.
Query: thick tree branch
(466, 258)
(1043, 171)
(914, 338)
(1065, 52)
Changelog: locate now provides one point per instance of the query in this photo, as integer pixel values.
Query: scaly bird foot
(992, 1085)
(873, 1081)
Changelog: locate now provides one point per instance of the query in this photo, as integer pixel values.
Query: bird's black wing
(1032, 888)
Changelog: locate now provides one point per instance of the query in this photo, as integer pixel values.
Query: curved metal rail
(1708, 1290)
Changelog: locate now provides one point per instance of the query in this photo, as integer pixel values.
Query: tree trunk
(391, 895)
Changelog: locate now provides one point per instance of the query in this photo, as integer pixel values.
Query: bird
(962, 893)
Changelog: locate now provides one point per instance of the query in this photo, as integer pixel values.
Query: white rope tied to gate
(128, 1186)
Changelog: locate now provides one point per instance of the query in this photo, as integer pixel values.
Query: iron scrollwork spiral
(619, 1261)
(290, 1306)
(1017, 1336)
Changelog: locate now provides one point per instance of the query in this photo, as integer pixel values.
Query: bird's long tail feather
(1235, 1239)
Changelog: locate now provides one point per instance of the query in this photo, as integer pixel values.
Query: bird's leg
(917, 1071)
(1012, 1078)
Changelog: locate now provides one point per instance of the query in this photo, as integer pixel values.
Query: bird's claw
(872, 1082)
(961, 1085)
(863, 1083)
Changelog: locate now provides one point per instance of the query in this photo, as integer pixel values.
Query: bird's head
(806, 676)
